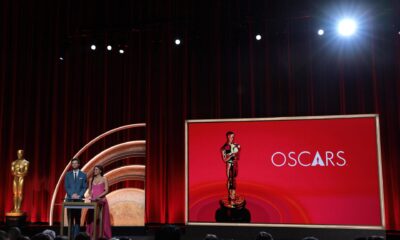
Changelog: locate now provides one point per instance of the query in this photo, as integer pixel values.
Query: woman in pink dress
(98, 189)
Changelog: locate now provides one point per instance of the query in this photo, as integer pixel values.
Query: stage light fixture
(321, 32)
(347, 27)
(177, 41)
(109, 47)
(61, 58)
(258, 37)
(121, 51)
(93, 47)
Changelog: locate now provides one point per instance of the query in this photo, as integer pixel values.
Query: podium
(82, 205)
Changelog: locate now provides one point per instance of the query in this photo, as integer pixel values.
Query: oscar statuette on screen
(19, 169)
(232, 207)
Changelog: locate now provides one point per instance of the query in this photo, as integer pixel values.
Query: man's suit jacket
(77, 185)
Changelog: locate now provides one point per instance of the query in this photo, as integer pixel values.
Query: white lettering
(273, 159)
(317, 160)
(328, 158)
(293, 159)
(344, 162)
(308, 159)
(299, 158)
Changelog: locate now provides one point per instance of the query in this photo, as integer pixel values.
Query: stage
(230, 233)
(280, 233)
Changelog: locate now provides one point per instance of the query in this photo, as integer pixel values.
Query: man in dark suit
(75, 186)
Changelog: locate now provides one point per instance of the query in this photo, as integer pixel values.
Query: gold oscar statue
(19, 169)
(232, 206)
(230, 153)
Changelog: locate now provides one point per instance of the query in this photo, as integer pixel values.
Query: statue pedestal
(16, 219)
(233, 211)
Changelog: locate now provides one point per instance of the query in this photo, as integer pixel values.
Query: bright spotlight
(93, 47)
(347, 27)
(61, 58)
(109, 48)
(258, 37)
(121, 51)
(177, 41)
(321, 32)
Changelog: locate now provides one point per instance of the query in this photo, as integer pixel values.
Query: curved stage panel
(116, 153)
(128, 198)
(127, 207)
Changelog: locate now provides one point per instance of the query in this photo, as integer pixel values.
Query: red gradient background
(331, 195)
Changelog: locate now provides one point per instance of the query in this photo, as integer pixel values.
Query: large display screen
(322, 171)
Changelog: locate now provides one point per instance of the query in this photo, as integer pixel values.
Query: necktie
(74, 176)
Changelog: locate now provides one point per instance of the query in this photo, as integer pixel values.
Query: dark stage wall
(51, 108)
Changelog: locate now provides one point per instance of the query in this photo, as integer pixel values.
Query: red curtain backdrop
(51, 108)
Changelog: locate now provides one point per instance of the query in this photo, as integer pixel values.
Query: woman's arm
(90, 188)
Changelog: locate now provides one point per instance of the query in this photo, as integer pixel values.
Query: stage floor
(230, 233)
(278, 233)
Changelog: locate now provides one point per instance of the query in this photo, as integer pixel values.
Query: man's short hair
(310, 238)
(50, 232)
(229, 133)
(210, 237)
(264, 236)
(168, 232)
(14, 232)
(76, 159)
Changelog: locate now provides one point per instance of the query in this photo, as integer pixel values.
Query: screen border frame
(379, 158)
